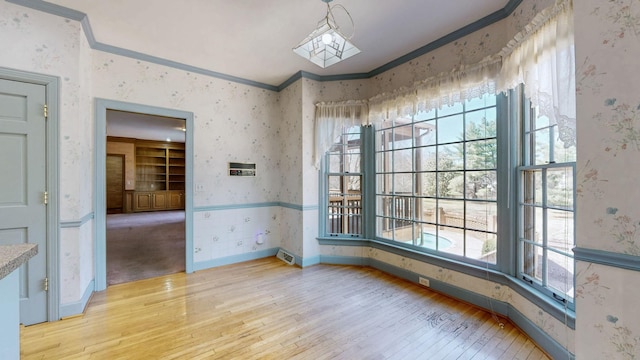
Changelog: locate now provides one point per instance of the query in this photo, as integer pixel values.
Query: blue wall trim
(82, 17)
(78, 307)
(77, 223)
(234, 259)
(256, 205)
(542, 339)
(622, 261)
(236, 206)
(51, 8)
(549, 344)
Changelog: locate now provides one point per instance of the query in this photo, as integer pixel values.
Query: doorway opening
(145, 196)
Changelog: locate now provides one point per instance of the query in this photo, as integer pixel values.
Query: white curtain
(542, 57)
(331, 118)
(462, 83)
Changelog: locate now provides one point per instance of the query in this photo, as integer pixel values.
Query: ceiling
(253, 39)
(146, 127)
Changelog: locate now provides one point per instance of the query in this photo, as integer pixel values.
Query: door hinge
(45, 284)
(45, 197)
(45, 111)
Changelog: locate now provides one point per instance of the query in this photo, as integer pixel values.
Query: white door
(22, 188)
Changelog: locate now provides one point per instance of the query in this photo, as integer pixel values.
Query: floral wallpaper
(235, 122)
(56, 46)
(607, 48)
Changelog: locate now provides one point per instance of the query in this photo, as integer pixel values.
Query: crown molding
(96, 45)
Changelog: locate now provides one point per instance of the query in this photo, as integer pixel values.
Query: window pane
(426, 185)
(384, 140)
(541, 143)
(353, 184)
(450, 129)
(404, 232)
(560, 187)
(425, 133)
(403, 160)
(403, 207)
(383, 161)
(450, 157)
(403, 137)
(451, 213)
(532, 261)
(451, 184)
(427, 211)
(481, 246)
(352, 162)
(430, 182)
(532, 187)
(383, 184)
(481, 154)
(335, 185)
(560, 273)
(335, 163)
(403, 183)
(481, 124)
(451, 240)
(563, 153)
(481, 216)
(560, 230)
(426, 158)
(430, 239)
(540, 121)
(481, 185)
(532, 221)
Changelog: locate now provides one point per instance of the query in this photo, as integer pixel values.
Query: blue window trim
(504, 272)
(524, 107)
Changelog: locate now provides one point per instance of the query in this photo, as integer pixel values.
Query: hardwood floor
(267, 309)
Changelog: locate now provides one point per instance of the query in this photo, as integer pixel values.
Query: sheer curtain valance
(466, 82)
(542, 57)
(331, 118)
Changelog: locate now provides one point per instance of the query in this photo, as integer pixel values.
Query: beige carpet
(144, 245)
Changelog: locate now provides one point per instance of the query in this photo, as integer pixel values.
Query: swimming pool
(428, 240)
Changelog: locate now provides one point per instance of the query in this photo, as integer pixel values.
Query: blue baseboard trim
(546, 342)
(622, 261)
(234, 259)
(542, 339)
(78, 307)
(548, 305)
(309, 261)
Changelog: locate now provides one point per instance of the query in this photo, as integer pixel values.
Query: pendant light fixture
(326, 45)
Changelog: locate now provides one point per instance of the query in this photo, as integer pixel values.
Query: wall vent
(286, 257)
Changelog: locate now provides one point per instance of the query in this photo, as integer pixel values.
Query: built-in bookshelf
(160, 176)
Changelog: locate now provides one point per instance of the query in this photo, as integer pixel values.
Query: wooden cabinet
(160, 176)
(175, 199)
(151, 201)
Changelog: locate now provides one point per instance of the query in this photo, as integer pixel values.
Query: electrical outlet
(424, 281)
